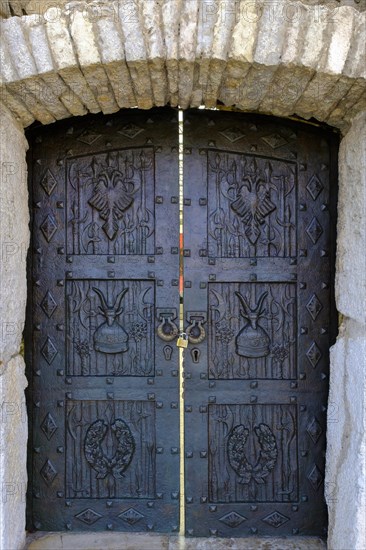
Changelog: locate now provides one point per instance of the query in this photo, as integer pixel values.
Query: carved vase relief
(251, 206)
(110, 449)
(109, 209)
(110, 328)
(252, 330)
(253, 453)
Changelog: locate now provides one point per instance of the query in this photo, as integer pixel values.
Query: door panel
(104, 303)
(259, 199)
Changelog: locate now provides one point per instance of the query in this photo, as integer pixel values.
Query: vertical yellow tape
(181, 326)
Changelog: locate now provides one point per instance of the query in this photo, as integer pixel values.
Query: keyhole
(195, 354)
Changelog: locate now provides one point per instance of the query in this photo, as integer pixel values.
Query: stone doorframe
(282, 58)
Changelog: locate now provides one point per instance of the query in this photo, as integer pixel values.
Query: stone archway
(273, 58)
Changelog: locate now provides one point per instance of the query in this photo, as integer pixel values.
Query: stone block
(355, 65)
(16, 107)
(245, 33)
(272, 30)
(187, 50)
(316, 38)
(13, 437)
(135, 52)
(82, 33)
(339, 117)
(345, 489)
(351, 259)
(340, 39)
(14, 235)
(66, 63)
(171, 10)
(111, 51)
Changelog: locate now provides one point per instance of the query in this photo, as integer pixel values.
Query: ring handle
(167, 330)
(195, 331)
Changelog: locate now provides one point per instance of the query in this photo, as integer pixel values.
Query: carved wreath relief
(251, 206)
(110, 328)
(110, 449)
(109, 209)
(253, 453)
(252, 332)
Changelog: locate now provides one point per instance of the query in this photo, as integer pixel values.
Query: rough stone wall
(346, 439)
(28, 7)
(276, 57)
(14, 239)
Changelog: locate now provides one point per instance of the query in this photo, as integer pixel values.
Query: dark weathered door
(103, 311)
(103, 319)
(259, 199)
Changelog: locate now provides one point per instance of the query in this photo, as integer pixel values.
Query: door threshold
(152, 541)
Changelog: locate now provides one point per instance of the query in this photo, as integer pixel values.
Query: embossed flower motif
(82, 347)
(138, 331)
(224, 333)
(279, 353)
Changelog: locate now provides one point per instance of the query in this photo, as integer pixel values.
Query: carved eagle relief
(252, 204)
(112, 197)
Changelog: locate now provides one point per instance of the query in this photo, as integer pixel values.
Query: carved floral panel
(253, 454)
(251, 206)
(252, 330)
(110, 327)
(110, 210)
(110, 449)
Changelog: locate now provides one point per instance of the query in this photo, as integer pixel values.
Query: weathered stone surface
(171, 13)
(355, 65)
(81, 28)
(14, 235)
(112, 54)
(51, 82)
(222, 35)
(135, 51)
(351, 258)
(187, 50)
(13, 454)
(340, 40)
(150, 14)
(134, 541)
(65, 61)
(345, 488)
(278, 58)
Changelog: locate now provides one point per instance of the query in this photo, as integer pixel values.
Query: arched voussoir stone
(283, 58)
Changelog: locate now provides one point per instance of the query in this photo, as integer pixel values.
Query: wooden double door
(106, 309)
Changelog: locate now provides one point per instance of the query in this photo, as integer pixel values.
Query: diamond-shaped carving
(48, 472)
(275, 140)
(275, 519)
(48, 227)
(88, 516)
(314, 354)
(49, 351)
(314, 306)
(314, 429)
(232, 519)
(314, 230)
(232, 134)
(48, 182)
(88, 137)
(48, 304)
(314, 187)
(131, 516)
(315, 477)
(130, 130)
(48, 426)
